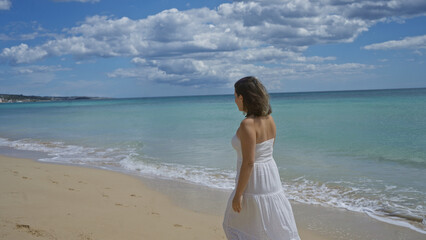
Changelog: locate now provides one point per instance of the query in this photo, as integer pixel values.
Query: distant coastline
(17, 98)
(12, 98)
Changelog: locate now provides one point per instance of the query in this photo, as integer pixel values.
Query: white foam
(210, 177)
(65, 153)
(394, 221)
(127, 159)
(353, 199)
(358, 198)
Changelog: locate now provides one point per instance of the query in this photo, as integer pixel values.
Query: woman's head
(253, 95)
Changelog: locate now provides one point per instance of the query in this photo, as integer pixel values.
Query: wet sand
(52, 201)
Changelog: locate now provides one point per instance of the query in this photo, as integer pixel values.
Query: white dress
(266, 212)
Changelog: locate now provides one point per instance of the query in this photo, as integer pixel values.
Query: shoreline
(53, 201)
(320, 222)
(192, 190)
(314, 222)
(41, 200)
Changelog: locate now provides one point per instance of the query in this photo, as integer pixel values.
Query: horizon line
(347, 90)
(200, 95)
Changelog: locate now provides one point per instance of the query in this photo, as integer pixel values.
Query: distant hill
(7, 98)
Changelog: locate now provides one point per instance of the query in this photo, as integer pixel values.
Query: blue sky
(167, 48)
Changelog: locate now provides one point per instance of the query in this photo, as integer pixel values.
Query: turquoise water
(360, 150)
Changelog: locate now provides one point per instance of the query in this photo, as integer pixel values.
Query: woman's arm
(247, 135)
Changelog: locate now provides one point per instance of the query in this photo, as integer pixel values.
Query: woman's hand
(237, 202)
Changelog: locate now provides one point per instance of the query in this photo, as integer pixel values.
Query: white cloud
(33, 69)
(22, 31)
(38, 69)
(5, 37)
(375, 10)
(417, 42)
(224, 71)
(286, 25)
(173, 32)
(5, 4)
(35, 75)
(23, 54)
(211, 46)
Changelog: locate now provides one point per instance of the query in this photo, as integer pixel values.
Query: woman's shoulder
(257, 118)
(247, 120)
(256, 125)
(251, 122)
(247, 124)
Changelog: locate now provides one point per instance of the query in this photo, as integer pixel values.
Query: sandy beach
(52, 201)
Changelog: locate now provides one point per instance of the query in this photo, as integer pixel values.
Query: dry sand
(52, 201)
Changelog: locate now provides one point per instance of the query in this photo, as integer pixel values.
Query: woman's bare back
(264, 126)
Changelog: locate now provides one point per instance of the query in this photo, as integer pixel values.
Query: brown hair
(255, 96)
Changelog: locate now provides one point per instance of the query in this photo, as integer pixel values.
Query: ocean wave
(389, 203)
(209, 177)
(60, 152)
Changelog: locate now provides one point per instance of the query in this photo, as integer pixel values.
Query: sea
(361, 150)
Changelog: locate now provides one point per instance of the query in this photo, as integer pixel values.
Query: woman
(258, 207)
